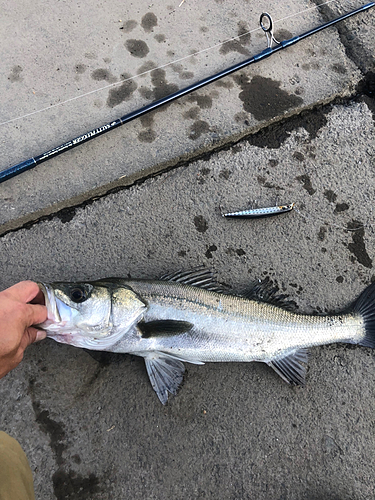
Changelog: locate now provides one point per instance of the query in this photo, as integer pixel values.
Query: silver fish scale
(231, 328)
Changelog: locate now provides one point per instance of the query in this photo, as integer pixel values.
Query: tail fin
(365, 306)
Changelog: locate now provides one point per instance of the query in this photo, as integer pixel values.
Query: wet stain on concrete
(203, 101)
(160, 38)
(80, 68)
(73, 486)
(129, 25)
(210, 249)
(330, 195)
(161, 87)
(103, 74)
(147, 135)
(240, 252)
(66, 214)
(340, 279)
(202, 174)
(225, 174)
(226, 84)
(147, 66)
(238, 44)
(263, 98)
(149, 21)
(121, 93)
(322, 233)
(15, 75)
(198, 128)
(306, 183)
(184, 75)
(275, 135)
(192, 113)
(298, 156)
(273, 162)
(341, 207)
(339, 68)
(137, 48)
(282, 35)
(200, 223)
(357, 247)
(263, 182)
(182, 253)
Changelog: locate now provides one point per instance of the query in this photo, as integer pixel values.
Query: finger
(30, 336)
(35, 314)
(38, 299)
(23, 291)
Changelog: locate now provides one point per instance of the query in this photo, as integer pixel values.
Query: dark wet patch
(203, 101)
(263, 182)
(160, 38)
(200, 223)
(323, 250)
(330, 195)
(73, 486)
(192, 113)
(226, 84)
(341, 207)
(210, 249)
(273, 163)
(182, 253)
(225, 174)
(306, 183)
(77, 459)
(147, 66)
(322, 233)
(137, 48)
(357, 247)
(184, 75)
(240, 252)
(80, 68)
(198, 128)
(203, 29)
(238, 44)
(149, 21)
(161, 87)
(103, 74)
(339, 68)
(15, 75)
(340, 279)
(298, 156)
(66, 215)
(121, 93)
(129, 25)
(147, 135)
(263, 98)
(282, 35)
(275, 135)
(146, 93)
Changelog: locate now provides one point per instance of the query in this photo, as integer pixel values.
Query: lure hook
(268, 29)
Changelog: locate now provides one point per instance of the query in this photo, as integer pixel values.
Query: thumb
(30, 336)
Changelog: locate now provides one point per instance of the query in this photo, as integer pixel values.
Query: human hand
(20, 308)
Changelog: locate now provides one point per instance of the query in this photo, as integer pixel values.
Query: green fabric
(16, 480)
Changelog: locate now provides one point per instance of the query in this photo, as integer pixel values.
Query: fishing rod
(266, 24)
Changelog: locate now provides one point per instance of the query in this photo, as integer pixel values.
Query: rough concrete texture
(50, 56)
(97, 430)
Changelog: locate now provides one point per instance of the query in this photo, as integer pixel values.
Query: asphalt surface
(95, 429)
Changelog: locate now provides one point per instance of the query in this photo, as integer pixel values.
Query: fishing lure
(260, 212)
(267, 26)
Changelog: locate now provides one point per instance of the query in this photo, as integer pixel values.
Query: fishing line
(81, 96)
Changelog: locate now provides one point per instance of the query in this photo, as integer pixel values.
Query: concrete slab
(51, 57)
(96, 430)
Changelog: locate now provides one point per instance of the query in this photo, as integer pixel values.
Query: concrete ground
(299, 127)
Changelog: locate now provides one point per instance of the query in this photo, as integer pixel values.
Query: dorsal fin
(265, 291)
(199, 277)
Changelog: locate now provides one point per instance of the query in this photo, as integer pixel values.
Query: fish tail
(365, 306)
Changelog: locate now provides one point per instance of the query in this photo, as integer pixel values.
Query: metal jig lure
(32, 162)
(260, 212)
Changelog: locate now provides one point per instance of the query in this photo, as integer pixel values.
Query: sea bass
(187, 316)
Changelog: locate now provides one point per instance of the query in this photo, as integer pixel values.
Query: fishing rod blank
(266, 25)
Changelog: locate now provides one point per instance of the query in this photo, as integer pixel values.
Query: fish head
(92, 315)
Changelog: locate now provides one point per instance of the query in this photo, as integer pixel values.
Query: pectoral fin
(290, 368)
(165, 373)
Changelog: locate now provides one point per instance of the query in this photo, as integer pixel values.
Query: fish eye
(78, 294)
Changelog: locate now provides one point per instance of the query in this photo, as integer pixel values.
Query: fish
(187, 316)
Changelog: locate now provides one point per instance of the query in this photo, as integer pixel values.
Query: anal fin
(291, 367)
(165, 373)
